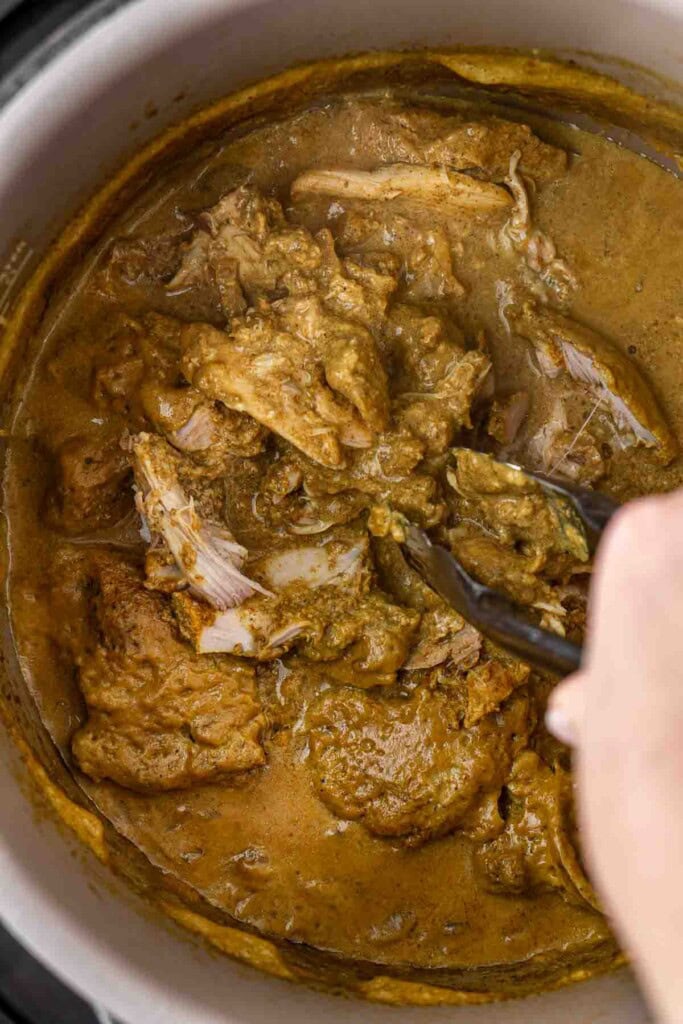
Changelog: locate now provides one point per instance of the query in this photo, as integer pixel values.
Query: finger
(565, 709)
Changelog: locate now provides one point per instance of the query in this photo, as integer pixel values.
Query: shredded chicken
(205, 553)
(431, 186)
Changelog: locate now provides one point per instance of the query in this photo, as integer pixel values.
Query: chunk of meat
(421, 257)
(207, 431)
(515, 507)
(361, 638)
(205, 553)
(487, 146)
(92, 489)
(557, 449)
(283, 379)
(437, 380)
(406, 768)
(158, 716)
(207, 263)
(169, 274)
(502, 568)
(427, 186)
(386, 473)
(563, 345)
(272, 256)
(536, 852)
(350, 288)
(338, 556)
(348, 354)
(425, 346)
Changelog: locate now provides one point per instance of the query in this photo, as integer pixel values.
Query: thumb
(565, 709)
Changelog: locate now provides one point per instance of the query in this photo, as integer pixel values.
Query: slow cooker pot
(75, 102)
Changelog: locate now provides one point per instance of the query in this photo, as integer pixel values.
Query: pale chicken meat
(358, 639)
(206, 556)
(425, 186)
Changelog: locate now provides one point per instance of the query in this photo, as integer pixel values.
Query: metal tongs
(498, 618)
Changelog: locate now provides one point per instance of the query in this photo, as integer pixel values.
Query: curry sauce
(294, 338)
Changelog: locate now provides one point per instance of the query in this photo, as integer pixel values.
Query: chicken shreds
(186, 549)
(447, 191)
(407, 768)
(158, 716)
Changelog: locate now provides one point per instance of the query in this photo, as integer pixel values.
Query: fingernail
(560, 724)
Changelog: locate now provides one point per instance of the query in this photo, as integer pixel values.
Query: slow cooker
(83, 86)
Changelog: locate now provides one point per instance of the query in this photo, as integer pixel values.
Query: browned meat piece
(487, 146)
(208, 431)
(406, 768)
(351, 289)
(558, 449)
(436, 417)
(444, 636)
(502, 568)
(425, 346)
(564, 346)
(93, 485)
(159, 716)
(447, 191)
(536, 852)
(348, 355)
(143, 352)
(386, 473)
(207, 264)
(301, 371)
(170, 275)
(140, 262)
(392, 133)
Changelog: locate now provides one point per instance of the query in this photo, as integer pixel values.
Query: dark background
(31, 995)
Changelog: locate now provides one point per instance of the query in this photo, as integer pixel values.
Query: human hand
(623, 712)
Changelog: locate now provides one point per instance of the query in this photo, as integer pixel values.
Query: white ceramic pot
(65, 123)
